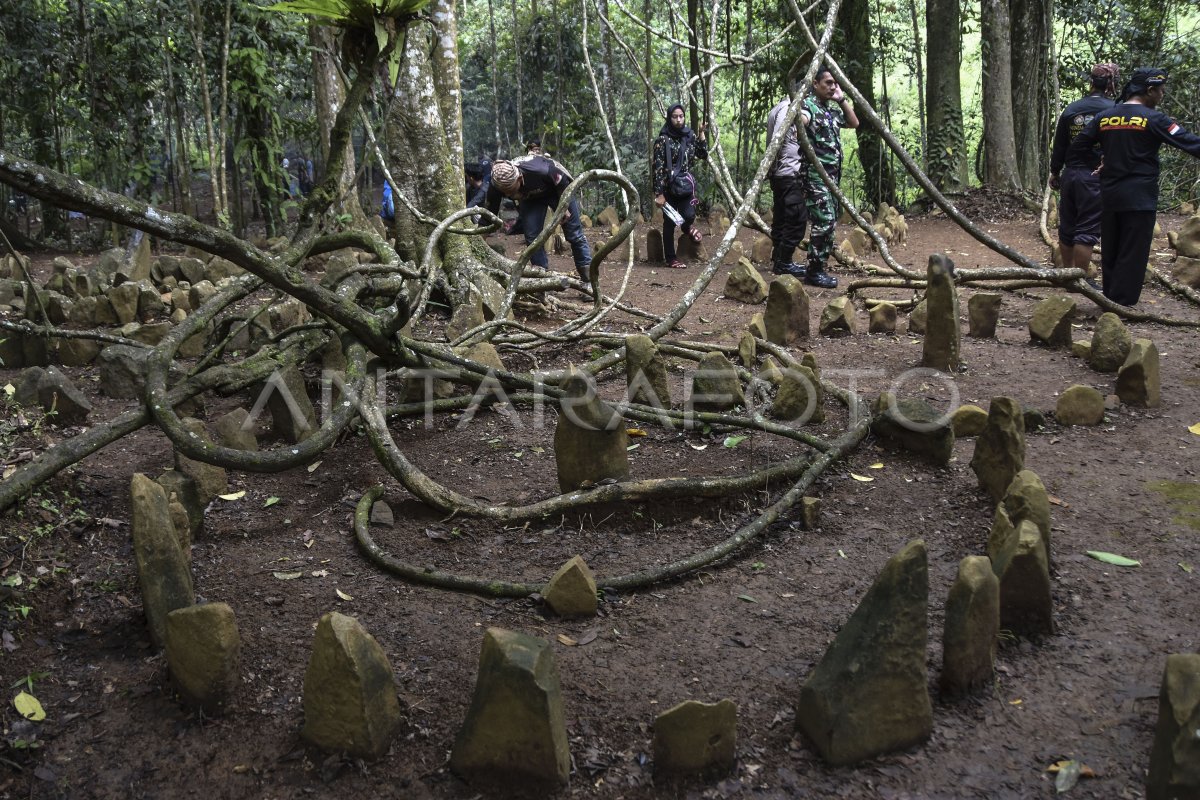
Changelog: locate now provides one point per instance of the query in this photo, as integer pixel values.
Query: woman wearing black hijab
(675, 150)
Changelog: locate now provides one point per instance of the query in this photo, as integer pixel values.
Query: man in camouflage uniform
(824, 113)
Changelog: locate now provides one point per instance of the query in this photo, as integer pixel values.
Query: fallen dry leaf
(862, 478)
(567, 640)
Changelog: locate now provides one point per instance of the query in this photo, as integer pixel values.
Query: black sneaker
(798, 271)
(821, 279)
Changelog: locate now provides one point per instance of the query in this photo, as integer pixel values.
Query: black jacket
(1131, 135)
(542, 178)
(1074, 119)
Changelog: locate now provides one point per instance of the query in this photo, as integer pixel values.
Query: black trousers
(789, 216)
(1125, 238)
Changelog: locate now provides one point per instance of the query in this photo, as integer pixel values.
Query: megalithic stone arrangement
(940, 349)
(1175, 758)
(163, 574)
(695, 738)
(1000, 449)
(589, 438)
(971, 628)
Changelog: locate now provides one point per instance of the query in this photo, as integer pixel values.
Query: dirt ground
(750, 628)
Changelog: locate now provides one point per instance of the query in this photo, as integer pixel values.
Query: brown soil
(750, 628)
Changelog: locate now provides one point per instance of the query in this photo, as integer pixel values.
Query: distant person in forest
(304, 166)
(478, 181)
(537, 184)
(789, 213)
(533, 147)
(1076, 178)
(1131, 133)
(676, 150)
(825, 112)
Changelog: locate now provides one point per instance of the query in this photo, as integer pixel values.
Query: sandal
(695, 234)
(676, 264)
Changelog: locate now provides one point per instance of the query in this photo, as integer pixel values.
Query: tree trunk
(1032, 88)
(999, 139)
(518, 78)
(329, 95)
(651, 117)
(423, 160)
(916, 29)
(197, 20)
(606, 67)
(223, 112)
(496, 72)
(854, 24)
(946, 156)
(693, 13)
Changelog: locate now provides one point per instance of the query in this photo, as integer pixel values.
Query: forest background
(141, 98)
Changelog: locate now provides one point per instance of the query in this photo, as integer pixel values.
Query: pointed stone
(654, 246)
(760, 251)
(715, 385)
(799, 397)
(123, 371)
(608, 217)
(695, 739)
(1026, 607)
(293, 417)
(1082, 349)
(971, 628)
(786, 319)
(968, 420)
(1175, 757)
(770, 372)
(646, 372)
(747, 350)
(883, 318)
(350, 703)
(912, 424)
(163, 575)
(210, 479)
(572, 590)
(56, 392)
(735, 254)
(203, 652)
(1051, 321)
(590, 438)
(758, 326)
(838, 317)
(1080, 405)
(940, 349)
(1137, 381)
(1111, 343)
(381, 515)
(234, 431)
(515, 732)
(1000, 449)
(139, 264)
(745, 284)
(1026, 499)
(467, 315)
(983, 314)
(917, 318)
(869, 693)
(182, 489)
(124, 302)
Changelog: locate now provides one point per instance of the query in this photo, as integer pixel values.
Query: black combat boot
(817, 276)
(797, 271)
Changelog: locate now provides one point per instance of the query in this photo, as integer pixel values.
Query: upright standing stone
(1000, 449)
(515, 729)
(983, 314)
(744, 284)
(1051, 321)
(747, 349)
(183, 489)
(917, 318)
(869, 694)
(467, 315)
(1111, 343)
(203, 648)
(971, 628)
(883, 318)
(645, 372)
(715, 384)
(800, 396)
(760, 251)
(139, 264)
(695, 739)
(234, 432)
(162, 570)
(941, 346)
(350, 703)
(837, 317)
(293, 417)
(912, 424)
(572, 590)
(654, 246)
(210, 479)
(1175, 757)
(786, 318)
(1026, 499)
(1137, 381)
(590, 438)
(1026, 606)
(757, 326)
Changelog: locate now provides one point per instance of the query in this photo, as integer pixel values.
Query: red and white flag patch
(1174, 129)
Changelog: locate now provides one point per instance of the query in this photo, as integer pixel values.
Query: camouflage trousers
(823, 211)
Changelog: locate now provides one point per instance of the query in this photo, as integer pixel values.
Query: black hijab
(675, 133)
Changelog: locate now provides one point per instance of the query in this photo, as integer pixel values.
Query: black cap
(1149, 76)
